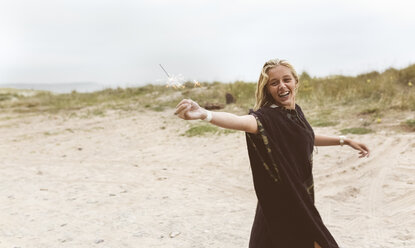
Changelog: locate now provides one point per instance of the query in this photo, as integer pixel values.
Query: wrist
(207, 115)
(343, 140)
(347, 141)
(204, 114)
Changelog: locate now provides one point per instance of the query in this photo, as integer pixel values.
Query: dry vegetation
(360, 104)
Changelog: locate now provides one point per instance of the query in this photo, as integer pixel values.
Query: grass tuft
(322, 123)
(356, 130)
(205, 129)
(201, 130)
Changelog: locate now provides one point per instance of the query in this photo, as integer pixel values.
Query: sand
(129, 179)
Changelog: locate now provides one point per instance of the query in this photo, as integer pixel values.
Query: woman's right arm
(189, 110)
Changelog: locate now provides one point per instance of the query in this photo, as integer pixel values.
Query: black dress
(281, 162)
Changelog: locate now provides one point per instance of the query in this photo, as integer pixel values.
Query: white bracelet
(209, 116)
(342, 138)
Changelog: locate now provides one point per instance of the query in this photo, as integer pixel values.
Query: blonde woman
(280, 146)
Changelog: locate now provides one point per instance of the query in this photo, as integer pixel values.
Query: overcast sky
(124, 41)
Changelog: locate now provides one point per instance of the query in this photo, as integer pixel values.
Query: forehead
(279, 71)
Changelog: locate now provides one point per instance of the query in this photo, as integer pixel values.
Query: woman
(280, 145)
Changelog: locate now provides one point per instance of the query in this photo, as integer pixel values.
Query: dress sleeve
(260, 144)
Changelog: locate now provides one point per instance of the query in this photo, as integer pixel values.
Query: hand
(189, 110)
(363, 150)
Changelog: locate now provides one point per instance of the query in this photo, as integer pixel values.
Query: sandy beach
(130, 179)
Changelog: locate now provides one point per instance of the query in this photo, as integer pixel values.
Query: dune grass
(367, 96)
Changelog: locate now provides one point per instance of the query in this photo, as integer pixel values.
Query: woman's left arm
(321, 140)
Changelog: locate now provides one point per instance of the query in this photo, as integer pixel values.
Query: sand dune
(131, 180)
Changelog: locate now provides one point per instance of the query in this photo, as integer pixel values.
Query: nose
(282, 84)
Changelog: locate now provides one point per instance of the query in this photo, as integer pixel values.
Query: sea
(61, 88)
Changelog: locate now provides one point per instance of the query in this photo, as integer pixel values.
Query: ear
(296, 87)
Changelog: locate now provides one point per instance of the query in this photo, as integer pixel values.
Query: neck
(292, 106)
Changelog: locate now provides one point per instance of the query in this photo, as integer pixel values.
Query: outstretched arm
(189, 110)
(321, 140)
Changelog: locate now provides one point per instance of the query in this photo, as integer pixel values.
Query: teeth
(284, 94)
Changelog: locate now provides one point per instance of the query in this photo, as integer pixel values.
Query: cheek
(271, 92)
(268, 91)
(272, 89)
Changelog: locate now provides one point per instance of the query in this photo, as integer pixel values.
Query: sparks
(177, 81)
(196, 84)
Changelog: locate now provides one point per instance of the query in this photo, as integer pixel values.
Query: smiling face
(281, 85)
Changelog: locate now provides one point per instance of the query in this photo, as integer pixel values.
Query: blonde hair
(262, 96)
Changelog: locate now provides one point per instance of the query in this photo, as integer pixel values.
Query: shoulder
(264, 110)
(267, 114)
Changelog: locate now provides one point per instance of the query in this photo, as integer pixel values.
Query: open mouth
(284, 94)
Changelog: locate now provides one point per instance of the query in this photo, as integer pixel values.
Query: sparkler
(164, 70)
(176, 81)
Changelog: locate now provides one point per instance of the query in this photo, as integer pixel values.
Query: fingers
(186, 109)
(367, 151)
(184, 101)
(183, 111)
(181, 102)
(181, 107)
(362, 148)
(364, 151)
